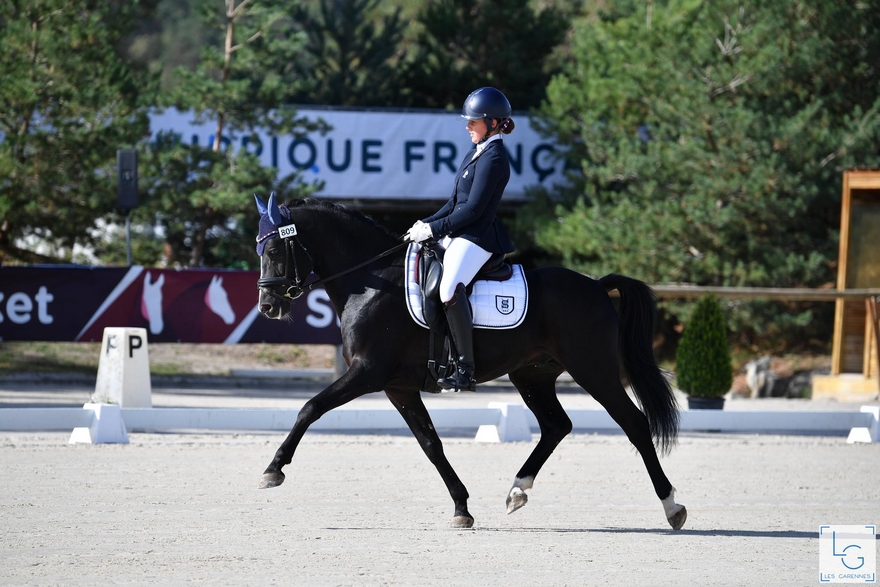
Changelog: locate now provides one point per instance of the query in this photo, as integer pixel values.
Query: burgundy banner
(73, 303)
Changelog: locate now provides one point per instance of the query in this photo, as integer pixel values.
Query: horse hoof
(678, 519)
(516, 499)
(273, 479)
(462, 522)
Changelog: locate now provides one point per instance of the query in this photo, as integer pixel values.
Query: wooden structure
(854, 359)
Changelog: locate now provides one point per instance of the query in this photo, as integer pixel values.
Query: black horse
(571, 325)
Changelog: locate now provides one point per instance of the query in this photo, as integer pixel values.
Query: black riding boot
(461, 325)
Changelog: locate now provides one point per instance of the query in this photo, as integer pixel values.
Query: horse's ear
(274, 211)
(261, 205)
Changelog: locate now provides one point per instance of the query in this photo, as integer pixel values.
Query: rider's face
(477, 129)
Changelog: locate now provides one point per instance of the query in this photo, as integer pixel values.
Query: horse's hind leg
(602, 380)
(537, 386)
(418, 419)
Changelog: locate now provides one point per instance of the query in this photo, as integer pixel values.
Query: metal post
(127, 191)
(128, 238)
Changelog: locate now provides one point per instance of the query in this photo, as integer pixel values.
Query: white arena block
(107, 426)
(513, 425)
(124, 369)
(870, 433)
(487, 433)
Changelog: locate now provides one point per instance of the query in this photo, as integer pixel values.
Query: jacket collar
(482, 146)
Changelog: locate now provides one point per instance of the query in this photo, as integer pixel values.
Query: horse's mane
(339, 210)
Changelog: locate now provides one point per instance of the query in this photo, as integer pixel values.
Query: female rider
(467, 225)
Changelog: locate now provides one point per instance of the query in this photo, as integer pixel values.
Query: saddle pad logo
(504, 304)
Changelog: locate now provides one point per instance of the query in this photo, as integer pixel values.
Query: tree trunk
(227, 60)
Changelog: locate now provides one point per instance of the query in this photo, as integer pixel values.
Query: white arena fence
(124, 392)
(498, 422)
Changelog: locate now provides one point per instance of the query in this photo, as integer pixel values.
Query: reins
(358, 266)
(297, 285)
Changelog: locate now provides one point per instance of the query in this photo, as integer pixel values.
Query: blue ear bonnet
(269, 222)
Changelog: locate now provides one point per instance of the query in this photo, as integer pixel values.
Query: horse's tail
(637, 315)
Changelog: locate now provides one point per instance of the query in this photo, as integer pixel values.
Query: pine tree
(200, 195)
(709, 139)
(467, 44)
(348, 60)
(68, 101)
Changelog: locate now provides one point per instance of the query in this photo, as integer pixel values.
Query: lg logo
(20, 306)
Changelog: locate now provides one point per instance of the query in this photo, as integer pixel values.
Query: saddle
(429, 269)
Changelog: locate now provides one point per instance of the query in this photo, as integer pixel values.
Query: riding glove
(419, 232)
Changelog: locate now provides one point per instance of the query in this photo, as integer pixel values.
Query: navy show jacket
(471, 211)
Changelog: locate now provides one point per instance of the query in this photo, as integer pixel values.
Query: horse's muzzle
(276, 293)
(274, 308)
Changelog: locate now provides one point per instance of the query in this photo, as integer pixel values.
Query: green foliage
(239, 81)
(466, 44)
(67, 103)
(200, 201)
(199, 195)
(168, 37)
(709, 141)
(79, 76)
(348, 60)
(702, 361)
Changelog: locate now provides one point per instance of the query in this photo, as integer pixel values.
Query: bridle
(288, 286)
(291, 286)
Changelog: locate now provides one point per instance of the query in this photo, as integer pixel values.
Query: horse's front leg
(418, 419)
(357, 381)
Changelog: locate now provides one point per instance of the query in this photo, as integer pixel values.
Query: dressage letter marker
(124, 369)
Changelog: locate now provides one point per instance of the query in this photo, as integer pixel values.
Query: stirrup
(460, 380)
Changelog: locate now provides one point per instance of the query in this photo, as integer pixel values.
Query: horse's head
(284, 262)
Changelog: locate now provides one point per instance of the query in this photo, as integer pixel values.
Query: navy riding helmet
(486, 104)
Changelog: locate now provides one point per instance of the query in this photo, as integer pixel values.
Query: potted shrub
(702, 362)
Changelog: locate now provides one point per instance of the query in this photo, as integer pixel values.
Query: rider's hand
(419, 232)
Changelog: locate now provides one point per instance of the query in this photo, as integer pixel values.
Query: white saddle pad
(496, 304)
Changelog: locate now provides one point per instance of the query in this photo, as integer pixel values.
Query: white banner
(384, 154)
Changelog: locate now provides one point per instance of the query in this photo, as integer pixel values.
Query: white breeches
(461, 262)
